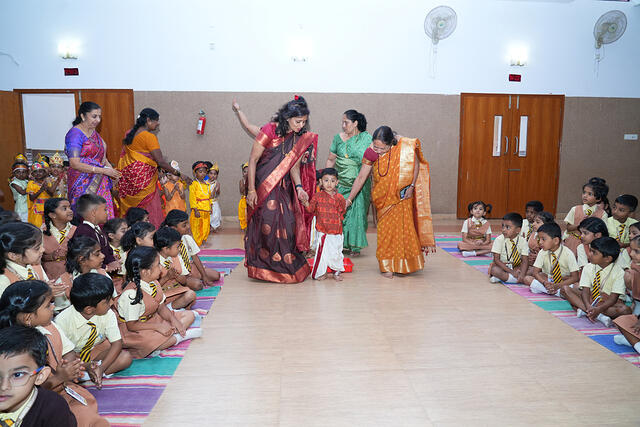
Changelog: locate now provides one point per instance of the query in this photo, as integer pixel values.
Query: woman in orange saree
(139, 161)
(401, 195)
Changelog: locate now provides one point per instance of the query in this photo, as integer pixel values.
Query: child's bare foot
(354, 253)
(337, 276)
(387, 275)
(324, 276)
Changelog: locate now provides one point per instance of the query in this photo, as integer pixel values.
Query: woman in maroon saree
(276, 233)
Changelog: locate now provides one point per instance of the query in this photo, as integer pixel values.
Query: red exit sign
(71, 72)
(515, 77)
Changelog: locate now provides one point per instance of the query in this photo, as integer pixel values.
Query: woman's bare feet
(387, 275)
(337, 276)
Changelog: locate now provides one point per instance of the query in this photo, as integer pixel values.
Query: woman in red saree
(139, 161)
(401, 195)
(276, 235)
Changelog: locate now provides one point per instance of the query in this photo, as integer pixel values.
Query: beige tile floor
(442, 347)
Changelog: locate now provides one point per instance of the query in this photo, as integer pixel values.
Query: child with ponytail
(594, 198)
(139, 234)
(146, 323)
(58, 230)
(30, 303)
(84, 256)
(476, 231)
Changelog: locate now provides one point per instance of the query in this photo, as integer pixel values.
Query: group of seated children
(595, 266)
(100, 294)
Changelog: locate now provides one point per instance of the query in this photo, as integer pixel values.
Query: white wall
(357, 46)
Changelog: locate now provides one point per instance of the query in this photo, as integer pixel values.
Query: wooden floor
(441, 347)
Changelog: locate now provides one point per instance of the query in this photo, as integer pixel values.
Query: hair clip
(296, 97)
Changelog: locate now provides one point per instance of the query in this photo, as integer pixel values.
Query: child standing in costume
(37, 194)
(57, 182)
(214, 190)
(200, 203)
(476, 231)
(242, 204)
(174, 193)
(19, 182)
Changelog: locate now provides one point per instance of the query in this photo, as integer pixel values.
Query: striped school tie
(167, 264)
(7, 423)
(555, 269)
(589, 212)
(185, 257)
(595, 289)
(116, 251)
(63, 234)
(529, 231)
(154, 289)
(85, 353)
(30, 274)
(620, 233)
(515, 254)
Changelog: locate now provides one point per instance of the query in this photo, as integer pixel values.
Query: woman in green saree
(345, 156)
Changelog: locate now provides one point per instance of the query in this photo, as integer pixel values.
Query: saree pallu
(275, 230)
(90, 151)
(138, 184)
(308, 181)
(348, 162)
(404, 226)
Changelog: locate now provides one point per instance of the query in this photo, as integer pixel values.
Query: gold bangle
(251, 191)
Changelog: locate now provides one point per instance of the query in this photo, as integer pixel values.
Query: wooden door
(11, 141)
(481, 175)
(117, 116)
(533, 175)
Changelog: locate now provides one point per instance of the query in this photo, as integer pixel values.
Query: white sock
(636, 347)
(580, 313)
(558, 294)
(636, 309)
(494, 279)
(197, 319)
(468, 253)
(606, 320)
(621, 340)
(511, 279)
(537, 288)
(190, 334)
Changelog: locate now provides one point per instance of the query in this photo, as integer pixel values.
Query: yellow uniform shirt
(502, 246)
(611, 278)
(22, 272)
(566, 260)
(77, 330)
(613, 225)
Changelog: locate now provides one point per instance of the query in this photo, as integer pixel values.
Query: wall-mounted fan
(609, 28)
(439, 24)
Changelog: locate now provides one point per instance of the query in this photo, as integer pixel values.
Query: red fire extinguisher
(202, 121)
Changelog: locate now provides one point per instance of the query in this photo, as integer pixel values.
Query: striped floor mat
(554, 305)
(128, 397)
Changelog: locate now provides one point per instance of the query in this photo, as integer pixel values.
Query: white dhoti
(328, 254)
(216, 215)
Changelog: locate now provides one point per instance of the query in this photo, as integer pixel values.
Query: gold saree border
(272, 276)
(402, 265)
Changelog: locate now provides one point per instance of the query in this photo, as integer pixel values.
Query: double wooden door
(509, 151)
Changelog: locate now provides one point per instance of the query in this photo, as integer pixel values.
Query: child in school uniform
(84, 255)
(531, 209)
(188, 249)
(139, 234)
(92, 327)
(629, 325)
(510, 252)
(18, 184)
(329, 207)
(590, 228)
(476, 231)
(146, 323)
(29, 303)
(555, 265)
(624, 260)
(601, 286)
(58, 230)
(93, 210)
(618, 224)
(173, 190)
(242, 204)
(115, 229)
(214, 191)
(23, 351)
(135, 215)
(594, 195)
(200, 203)
(533, 242)
(37, 193)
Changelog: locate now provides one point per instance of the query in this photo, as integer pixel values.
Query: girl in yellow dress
(37, 193)
(200, 203)
(242, 204)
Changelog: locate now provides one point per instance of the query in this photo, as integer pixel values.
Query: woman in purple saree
(275, 231)
(90, 171)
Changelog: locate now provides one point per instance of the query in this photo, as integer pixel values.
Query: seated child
(329, 207)
(533, 241)
(93, 210)
(629, 324)
(618, 224)
(214, 191)
(84, 256)
(532, 208)
(139, 234)
(92, 327)
(555, 264)
(30, 303)
(37, 194)
(23, 358)
(146, 323)
(58, 230)
(173, 190)
(115, 229)
(601, 284)
(18, 185)
(9, 216)
(632, 273)
(135, 215)
(242, 204)
(510, 252)
(476, 231)
(200, 203)
(624, 260)
(590, 228)
(594, 195)
(188, 248)
(175, 285)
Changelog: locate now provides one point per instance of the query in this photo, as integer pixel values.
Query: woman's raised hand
(235, 106)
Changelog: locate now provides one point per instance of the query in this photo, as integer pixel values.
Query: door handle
(513, 170)
(506, 149)
(516, 144)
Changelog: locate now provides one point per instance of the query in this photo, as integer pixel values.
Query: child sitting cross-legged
(620, 221)
(23, 364)
(601, 284)
(629, 324)
(510, 252)
(533, 241)
(590, 228)
(92, 327)
(476, 231)
(555, 265)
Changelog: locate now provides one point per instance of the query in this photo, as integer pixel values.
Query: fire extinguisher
(202, 121)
